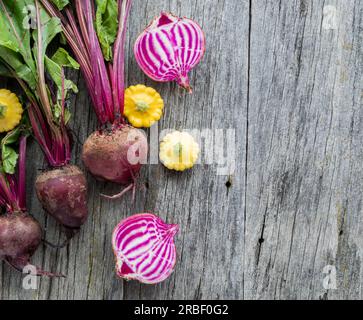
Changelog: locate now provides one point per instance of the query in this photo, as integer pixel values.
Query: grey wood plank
(304, 185)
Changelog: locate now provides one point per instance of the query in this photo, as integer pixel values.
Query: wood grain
(288, 80)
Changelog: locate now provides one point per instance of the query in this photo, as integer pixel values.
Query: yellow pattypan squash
(10, 110)
(178, 151)
(143, 106)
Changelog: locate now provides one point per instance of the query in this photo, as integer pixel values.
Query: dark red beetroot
(20, 236)
(63, 194)
(116, 156)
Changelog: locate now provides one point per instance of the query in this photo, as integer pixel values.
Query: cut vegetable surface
(169, 48)
(144, 248)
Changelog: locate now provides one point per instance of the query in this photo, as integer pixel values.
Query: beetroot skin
(20, 236)
(117, 155)
(63, 194)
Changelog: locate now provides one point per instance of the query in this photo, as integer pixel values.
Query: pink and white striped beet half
(144, 248)
(169, 48)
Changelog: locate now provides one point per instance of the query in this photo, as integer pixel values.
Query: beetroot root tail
(20, 266)
(70, 233)
(56, 246)
(122, 193)
(134, 193)
(49, 274)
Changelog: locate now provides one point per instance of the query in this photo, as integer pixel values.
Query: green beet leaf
(16, 18)
(106, 25)
(62, 58)
(8, 155)
(60, 4)
(50, 27)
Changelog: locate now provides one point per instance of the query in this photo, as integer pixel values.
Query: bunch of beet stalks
(20, 233)
(62, 187)
(116, 150)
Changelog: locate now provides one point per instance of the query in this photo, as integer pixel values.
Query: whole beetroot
(63, 194)
(20, 236)
(116, 155)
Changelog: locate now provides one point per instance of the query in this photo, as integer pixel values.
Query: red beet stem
(22, 173)
(7, 195)
(119, 55)
(12, 193)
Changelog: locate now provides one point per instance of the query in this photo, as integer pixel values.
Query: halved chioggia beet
(169, 48)
(116, 151)
(144, 248)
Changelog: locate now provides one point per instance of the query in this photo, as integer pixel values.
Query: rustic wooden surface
(288, 79)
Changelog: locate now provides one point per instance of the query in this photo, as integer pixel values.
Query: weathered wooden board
(287, 77)
(304, 172)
